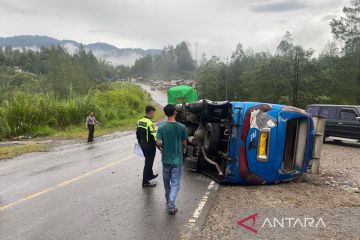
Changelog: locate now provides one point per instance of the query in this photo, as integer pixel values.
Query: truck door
(348, 124)
(332, 126)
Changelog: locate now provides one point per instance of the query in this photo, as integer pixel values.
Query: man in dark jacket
(146, 136)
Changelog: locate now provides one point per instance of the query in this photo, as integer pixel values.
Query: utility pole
(296, 79)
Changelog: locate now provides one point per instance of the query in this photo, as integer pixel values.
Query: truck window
(348, 114)
(329, 112)
(324, 111)
(313, 110)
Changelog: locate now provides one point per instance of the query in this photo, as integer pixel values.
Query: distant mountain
(104, 51)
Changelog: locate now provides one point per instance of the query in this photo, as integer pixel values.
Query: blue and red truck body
(247, 142)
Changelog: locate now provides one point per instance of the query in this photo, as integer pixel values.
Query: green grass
(117, 107)
(42, 131)
(16, 150)
(40, 116)
(80, 131)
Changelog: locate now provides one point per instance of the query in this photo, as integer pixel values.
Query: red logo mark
(253, 217)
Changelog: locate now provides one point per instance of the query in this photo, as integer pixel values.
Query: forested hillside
(173, 62)
(50, 70)
(103, 51)
(41, 92)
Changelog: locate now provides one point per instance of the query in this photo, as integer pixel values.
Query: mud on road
(332, 196)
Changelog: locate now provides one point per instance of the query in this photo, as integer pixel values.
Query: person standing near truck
(90, 125)
(172, 139)
(146, 136)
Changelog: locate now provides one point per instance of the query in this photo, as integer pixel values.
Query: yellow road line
(50, 189)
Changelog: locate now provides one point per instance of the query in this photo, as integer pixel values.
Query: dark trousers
(91, 129)
(149, 151)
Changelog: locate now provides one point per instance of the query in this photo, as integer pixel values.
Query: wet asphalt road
(92, 191)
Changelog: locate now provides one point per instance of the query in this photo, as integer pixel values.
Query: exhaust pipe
(211, 161)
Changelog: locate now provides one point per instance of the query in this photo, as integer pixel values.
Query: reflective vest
(149, 126)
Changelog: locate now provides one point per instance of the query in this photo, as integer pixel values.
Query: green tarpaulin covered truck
(181, 94)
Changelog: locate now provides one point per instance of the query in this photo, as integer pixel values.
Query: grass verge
(18, 149)
(73, 132)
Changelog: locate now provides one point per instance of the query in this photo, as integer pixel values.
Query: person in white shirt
(90, 125)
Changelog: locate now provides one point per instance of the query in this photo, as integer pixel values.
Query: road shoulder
(332, 195)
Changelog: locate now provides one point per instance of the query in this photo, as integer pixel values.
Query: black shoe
(173, 211)
(149, 184)
(154, 176)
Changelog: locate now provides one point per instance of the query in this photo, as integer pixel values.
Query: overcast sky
(217, 25)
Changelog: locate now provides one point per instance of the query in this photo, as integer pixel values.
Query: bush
(28, 114)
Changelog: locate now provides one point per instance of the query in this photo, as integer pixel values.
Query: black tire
(212, 137)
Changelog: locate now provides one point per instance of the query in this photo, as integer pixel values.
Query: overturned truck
(247, 142)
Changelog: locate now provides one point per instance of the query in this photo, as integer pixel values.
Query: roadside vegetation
(18, 149)
(126, 124)
(50, 92)
(117, 106)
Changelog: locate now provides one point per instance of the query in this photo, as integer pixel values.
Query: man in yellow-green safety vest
(146, 136)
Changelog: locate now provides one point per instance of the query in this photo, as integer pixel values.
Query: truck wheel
(212, 137)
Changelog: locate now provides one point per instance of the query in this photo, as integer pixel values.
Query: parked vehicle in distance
(341, 120)
(247, 142)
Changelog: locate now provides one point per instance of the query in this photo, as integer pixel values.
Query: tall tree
(347, 29)
(286, 46)
(185, 63)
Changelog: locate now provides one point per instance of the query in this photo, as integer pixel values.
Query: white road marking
(201, 205)
(189, 229)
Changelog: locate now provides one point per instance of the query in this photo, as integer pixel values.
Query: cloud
(6, 7)
(96, 31)
(216, 25)
(283, 6)
(329, 17)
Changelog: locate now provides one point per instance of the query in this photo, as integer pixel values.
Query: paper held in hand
(137, 150)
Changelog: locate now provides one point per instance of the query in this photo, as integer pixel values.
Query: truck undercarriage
(209, 127)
